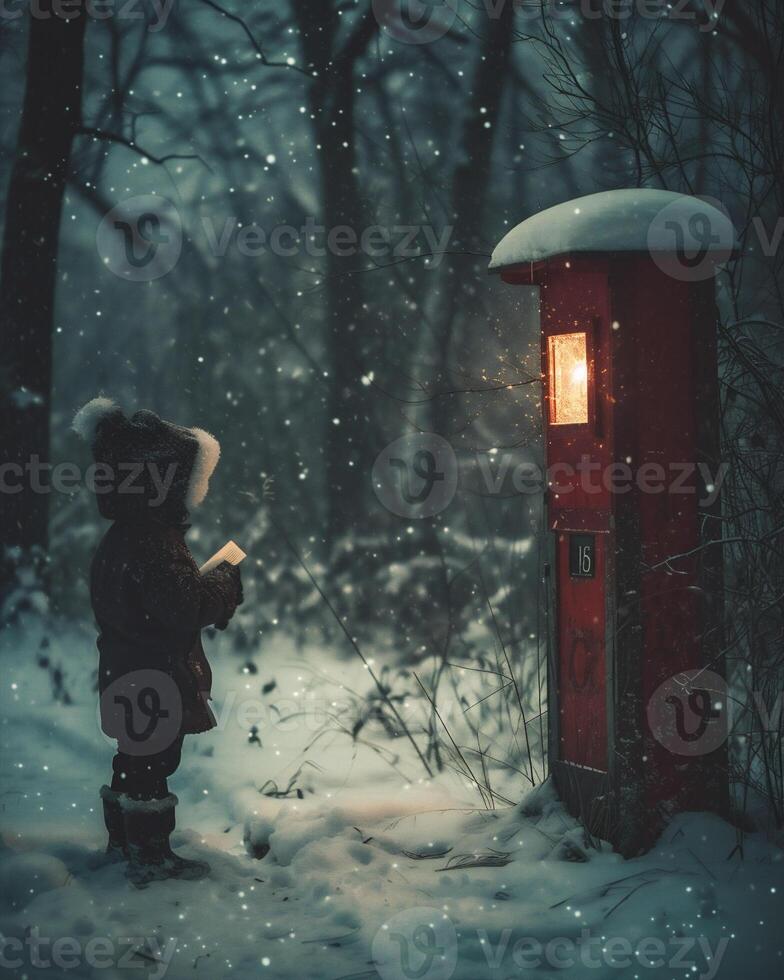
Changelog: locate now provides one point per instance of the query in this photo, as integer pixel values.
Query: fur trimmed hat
(145, 462)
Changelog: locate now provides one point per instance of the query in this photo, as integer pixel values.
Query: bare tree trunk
(469, 193)
(50, 117)
(347, 422)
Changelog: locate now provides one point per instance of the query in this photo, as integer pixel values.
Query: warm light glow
(568, 366)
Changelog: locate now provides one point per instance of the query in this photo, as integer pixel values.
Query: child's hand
(234, 575)
(232, 582)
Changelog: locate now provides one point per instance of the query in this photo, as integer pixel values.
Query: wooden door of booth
(581, 563)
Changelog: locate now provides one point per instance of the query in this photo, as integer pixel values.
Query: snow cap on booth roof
(634, 220)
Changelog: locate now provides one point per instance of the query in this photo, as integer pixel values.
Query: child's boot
(148, 826)
(115, 825)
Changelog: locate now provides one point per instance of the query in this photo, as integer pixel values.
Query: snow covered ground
(373, 870)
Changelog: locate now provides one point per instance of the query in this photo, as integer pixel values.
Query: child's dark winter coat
(149, 600)
(150, 604)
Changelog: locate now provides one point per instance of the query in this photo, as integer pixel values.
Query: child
(150, 604)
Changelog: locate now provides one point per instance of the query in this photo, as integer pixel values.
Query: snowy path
(370, 875)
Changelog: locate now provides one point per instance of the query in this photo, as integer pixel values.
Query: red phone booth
(637, 706)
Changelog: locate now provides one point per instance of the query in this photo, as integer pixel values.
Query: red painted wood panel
(669, 525)
(651, 343)
(582, 667)
(575, 299)
(574, 296)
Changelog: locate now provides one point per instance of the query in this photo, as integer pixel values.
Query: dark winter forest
(274, 221)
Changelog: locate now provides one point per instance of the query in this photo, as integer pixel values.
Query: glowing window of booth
(568, 368)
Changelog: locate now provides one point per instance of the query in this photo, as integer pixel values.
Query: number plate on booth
(582, 555)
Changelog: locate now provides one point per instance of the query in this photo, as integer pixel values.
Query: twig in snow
(379, 686)
(492, 859)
